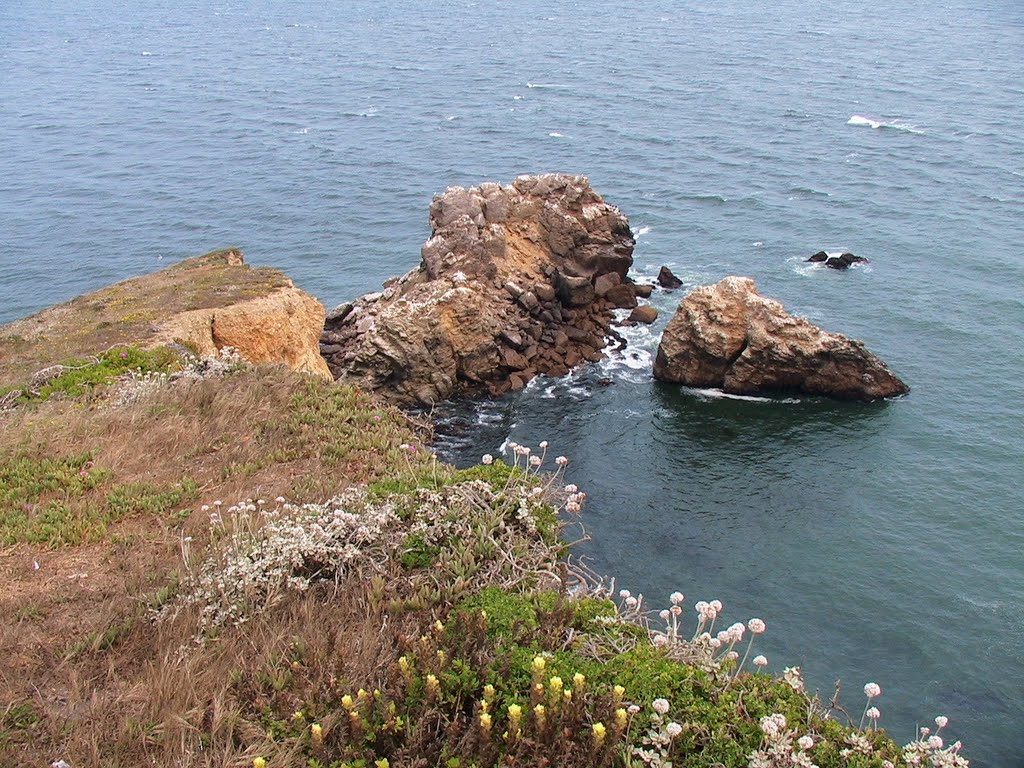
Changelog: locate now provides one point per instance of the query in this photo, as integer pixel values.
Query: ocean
(879, 542)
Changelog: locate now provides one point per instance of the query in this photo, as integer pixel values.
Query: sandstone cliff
(209, 302)
(729, 336)
(515, 281)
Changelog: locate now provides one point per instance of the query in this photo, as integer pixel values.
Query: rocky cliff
(729, 336)
(209, 302)
(515, 281)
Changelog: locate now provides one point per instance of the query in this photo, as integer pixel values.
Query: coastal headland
(215, 554)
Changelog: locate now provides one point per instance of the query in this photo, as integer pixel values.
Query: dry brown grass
(83, 674)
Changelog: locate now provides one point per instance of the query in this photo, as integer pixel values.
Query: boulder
(729, 336)
(667, 280)
(645, 314)
(622, 296)
(643, 290)
(818, 257)
(504, 291)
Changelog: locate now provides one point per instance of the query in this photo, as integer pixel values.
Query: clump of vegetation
(398, 612)
(77, 377)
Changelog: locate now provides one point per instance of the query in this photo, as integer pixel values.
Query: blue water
(879, 542)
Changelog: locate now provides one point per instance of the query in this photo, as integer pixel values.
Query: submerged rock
(729, 336)
(842, 261)
(515, 281)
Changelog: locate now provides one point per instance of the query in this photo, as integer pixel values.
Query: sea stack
(729, 336)
(514, 281)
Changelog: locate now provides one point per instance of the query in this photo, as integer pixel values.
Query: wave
(368, 112)
(546, 85)
(712, 199)
(641, 231)
(717, 394)
(897, 125)
(557, 135)
(808, 192)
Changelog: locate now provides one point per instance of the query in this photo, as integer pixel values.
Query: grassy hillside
(210, 564)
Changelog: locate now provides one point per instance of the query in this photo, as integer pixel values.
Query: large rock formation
(729, 336)
(515, 281)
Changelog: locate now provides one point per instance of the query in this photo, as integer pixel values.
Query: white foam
(717, 394)
(557, 135)
(546, 85)
(898, 125)
(758, 243)
(641, 231)
(146, 53)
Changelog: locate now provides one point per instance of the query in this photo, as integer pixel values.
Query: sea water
(879, 542)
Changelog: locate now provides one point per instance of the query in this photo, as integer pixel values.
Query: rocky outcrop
(668, 280)
(515, 281)
(282, 327)
(729, 336)
(842, 261)
(209, 302)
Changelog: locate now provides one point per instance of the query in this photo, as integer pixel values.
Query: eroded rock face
(729, 336)
(515, 281)
(281, 327)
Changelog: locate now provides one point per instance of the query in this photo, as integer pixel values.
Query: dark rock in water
(667, 280)
(842, 261)
(729, 336)
(643, 290)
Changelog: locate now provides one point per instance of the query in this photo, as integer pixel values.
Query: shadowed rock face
(729, 336)
(515, 281)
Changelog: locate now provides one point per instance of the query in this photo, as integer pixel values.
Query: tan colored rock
(729, 336)
(282, 327)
